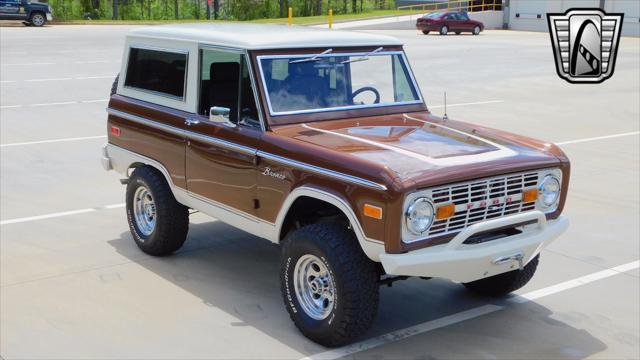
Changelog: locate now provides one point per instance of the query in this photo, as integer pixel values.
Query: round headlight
(549, 190)
(420, 216)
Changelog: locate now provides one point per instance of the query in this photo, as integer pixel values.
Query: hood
(421, 149)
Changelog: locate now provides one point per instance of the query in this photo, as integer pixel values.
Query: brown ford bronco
(320, 141)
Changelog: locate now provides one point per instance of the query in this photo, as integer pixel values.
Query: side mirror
(220, 115)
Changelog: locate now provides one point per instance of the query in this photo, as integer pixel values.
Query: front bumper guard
(468, 262)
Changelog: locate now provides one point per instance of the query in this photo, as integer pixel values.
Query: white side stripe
(468, 314)
(59, 214)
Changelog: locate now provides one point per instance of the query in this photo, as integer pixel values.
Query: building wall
(490, 19)
(531, 15)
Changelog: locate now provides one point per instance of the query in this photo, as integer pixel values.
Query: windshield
(325, 81)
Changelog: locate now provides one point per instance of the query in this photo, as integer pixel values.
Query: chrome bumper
(464, 263)
(105, 160)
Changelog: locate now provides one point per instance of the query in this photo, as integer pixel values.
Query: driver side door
(221, 158)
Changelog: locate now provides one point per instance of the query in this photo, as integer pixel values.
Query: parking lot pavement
(74, 285)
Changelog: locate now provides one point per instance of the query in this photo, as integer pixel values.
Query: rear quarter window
(157, 71)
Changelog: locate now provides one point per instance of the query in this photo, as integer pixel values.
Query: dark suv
(33, 13)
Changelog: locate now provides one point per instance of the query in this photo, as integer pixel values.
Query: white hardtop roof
(262, 36)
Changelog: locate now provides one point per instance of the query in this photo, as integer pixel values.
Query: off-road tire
(426, 32)
(503, 284)
(37, 19)
(172, 218)
(474, 32)
(354, 277)
(114, 86)
(444, 30)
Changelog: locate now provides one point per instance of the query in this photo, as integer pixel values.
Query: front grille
(501, 196)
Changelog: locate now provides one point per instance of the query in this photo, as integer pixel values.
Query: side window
(158, 71)
(225, 82)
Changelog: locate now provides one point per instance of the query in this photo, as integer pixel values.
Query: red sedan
(449, 21)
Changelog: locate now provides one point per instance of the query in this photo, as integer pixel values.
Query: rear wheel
(502, 284)
(158, 223)
(426, 32)
(476, 30)
(37, 19)
(444, 30)
(457, 32)
(328, 284)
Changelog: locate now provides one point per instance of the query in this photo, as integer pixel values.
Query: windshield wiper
(313, 58)
(363, 58)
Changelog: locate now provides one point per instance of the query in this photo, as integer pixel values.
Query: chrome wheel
(37, 20)
(476, 30)
(314, 287)
(144, 210)
(444, 30)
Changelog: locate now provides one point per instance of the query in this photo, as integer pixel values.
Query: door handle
(190, 122)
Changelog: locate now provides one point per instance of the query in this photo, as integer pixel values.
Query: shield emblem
(585, 44)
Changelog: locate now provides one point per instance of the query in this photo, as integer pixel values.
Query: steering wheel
(367, 88)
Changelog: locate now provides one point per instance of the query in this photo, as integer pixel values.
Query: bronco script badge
(585, 44)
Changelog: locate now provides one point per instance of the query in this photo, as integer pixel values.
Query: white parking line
(54, 79)
(54, 141)
(59, 214)
(29, 64)
(63, 63)
(467, 104)
(59, 79)
(422, 328)
(54, 103)
(598, 138)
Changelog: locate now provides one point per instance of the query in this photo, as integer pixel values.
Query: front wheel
(444, 30)
(503, 284)
(476, 30)
(328, 285)
(158, 223)
(38, 19)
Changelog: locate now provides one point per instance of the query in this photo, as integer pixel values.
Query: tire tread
(173, 218)
(360, 296)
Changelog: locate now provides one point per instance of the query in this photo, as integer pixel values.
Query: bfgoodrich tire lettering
(502, 284)
(353, 276)
(171, 219)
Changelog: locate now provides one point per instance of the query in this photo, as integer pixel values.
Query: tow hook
(519, 257)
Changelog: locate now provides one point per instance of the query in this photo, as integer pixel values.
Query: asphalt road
(74, 285)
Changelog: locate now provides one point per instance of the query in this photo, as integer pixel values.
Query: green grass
(308, 20)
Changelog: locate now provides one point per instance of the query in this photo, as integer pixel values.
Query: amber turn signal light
(373, 211)
(445, 211)
(530, 196)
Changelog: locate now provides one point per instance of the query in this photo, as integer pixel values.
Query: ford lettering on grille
(483, 199)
